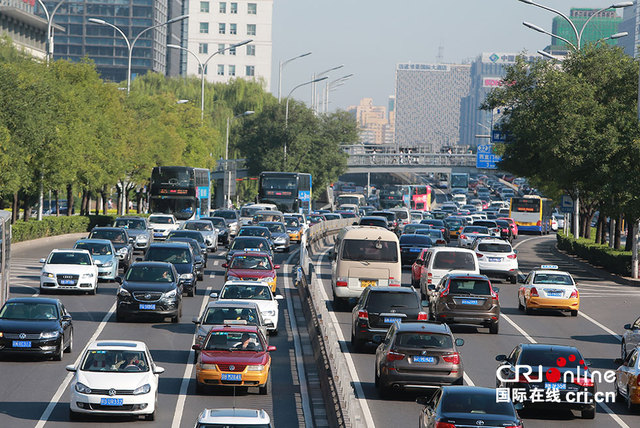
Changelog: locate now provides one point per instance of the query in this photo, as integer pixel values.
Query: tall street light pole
(330, 85)
(130, 45)
(203, 66)
(314, 93)
(49, 41)
(226, 155)
(282, 64)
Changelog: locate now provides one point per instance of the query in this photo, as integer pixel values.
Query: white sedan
(258, 292)
(114, 377)
(70, 270)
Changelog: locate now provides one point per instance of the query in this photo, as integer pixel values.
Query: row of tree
(574, 129)
(63, 129)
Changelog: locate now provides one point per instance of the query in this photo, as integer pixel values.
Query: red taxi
(251, 266)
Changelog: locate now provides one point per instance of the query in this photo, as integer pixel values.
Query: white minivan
(439, 261)
(365, 256)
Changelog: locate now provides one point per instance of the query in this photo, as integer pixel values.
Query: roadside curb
(25, 245)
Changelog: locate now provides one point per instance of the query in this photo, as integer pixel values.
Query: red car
(250, 265)
(512, 224)
(417, 267)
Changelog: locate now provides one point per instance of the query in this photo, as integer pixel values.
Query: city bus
(289, 191)
(459, 180)
(5, 247)
(417, 196)
(182, 191)
(531, 214)
(390, 197)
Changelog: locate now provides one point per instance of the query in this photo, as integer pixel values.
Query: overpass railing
(405, 159)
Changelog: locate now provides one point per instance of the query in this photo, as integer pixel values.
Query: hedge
(614, 261)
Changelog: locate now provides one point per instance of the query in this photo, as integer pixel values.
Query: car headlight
(255, 368)
(108, 264)
(142, 389)
(49, 335)
(123, 293)
(269, 313)
(186, 276)
(208, 367)
(269, 279)
(232, 277)
(87, 275)
(48, 275)
(142, 238)
(169, 294)
(82, 388)
(279, 240)
(123, 250)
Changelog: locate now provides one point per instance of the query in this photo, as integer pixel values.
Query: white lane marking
(215, 262)
(602, 326)
(527, 240)
(302, 374)
(65, 383)
(357, 383)
(613, 415)
(468, 379)
(517, 327)
(212, 275)
(186, 377)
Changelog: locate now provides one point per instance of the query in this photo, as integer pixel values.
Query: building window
(200, 69)
(220, 70)
(251, 50)
(222, 28)
(252, 8)
(232, 70)
(233, 28)
(204, 28)
(251, 29)
(223, 7)
(203, 48)
(232, 51)
(221, 48)
(233, 8)
(250, 70)
(204, 6)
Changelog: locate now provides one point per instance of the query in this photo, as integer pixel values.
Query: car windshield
(226, 214)
(252, 292)
(146, 273)
(266, 217)
(198, 225)
(437, 223)
(415, 240)
(418, 340)
(220, 315)
(274, 227)
(454, 223)
(469, 286)
(548, 357)
(96, 249)
(29, 311)
(249, 211)
(494, 247)
(250, 262)
(240, 244)
(188, 234)
(411, 228)
(476, 229)
(454, 260)
(233, 341)
(370, 250)
(432, 233)
(373, 222)
(291, 222)
(253, 231)
(115, 236)
(483, 403)
(130, 223)
(161, 219)
(552, 278)
(174, 255)
(115, 361)
(388, 301)
(69, 259)
(217, 221)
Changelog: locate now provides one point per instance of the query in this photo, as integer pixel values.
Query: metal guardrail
(408, 159)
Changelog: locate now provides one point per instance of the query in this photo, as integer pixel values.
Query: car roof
(251, 283)
(368, 232)
(237, 416)
(468, 276)
(424, 326)
(270, 222)
(464, 389)
(374, 217)
(232, 304)
(237, 328)
(71, 250)
(491, 241)
(118, 344)
(454, 249)
(94, 241)
(119, 229)
(33, 300)
(556, 271)
(250, 253)
(547, 347)
(129, 217)
(388, 289)
(253, 227)
(171, 244)
(149, 263)
(198, 221)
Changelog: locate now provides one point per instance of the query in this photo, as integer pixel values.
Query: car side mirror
(269, 324)
(425, 401)
(271, 348)
(43, 260)
(119, 279)
(71, 368)
(139, 259)
(279, 297)
(627, 327)
(618, 361)
(66, 318)
(224, 265)
(158, 370)
(213, 295)
(431, 287)
(515, 251)
(195, 320)
(459, 342)
(276, 267)
(496, 289)
(501, 357)
(587, 362)
(196, 347)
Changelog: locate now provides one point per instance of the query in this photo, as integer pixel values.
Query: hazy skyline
(371, 36)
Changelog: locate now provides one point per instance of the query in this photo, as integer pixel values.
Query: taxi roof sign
(235, 322)
(549, 267)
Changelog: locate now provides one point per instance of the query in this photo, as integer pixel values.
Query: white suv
(162, 225)
(496, 258)
(69, 270)
(233, 418)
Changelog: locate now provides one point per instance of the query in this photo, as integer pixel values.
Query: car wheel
(574, 313)
(356, 343)
(42, 291)
(589, 413)
(74, 416)
(59, 351)
(69, 348)
(266, 388)
(119, 316)
(383, 391)
(201, 277)
(191, 291)
(493, 328)
(376, 379)
(514, 279)
(200, 388)
(274, 332)
(520, 307)
(175, 319)
(619, 396)
(527, 309)
(459, 381)
(631, 407)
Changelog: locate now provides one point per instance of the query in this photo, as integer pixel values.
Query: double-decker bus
(289, 191)
(5, 250)
(182, 191)
(531, 214)
(417, 196)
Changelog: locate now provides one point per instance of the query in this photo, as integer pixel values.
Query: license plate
(415, 250)
(147, 306)
(421, 359)
(468, 302)
(391, 320)
(367, 283)
(157, 234)
(549, 385)
(21, 344)
(554, 294)
(495, 259)
(111, 401)
(232, 376)
(67, 282)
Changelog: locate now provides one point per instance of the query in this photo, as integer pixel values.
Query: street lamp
(132, 44)
(49, 42)
(333, 84)
(203, 65)
(314, 95)
(282, 64)
(226, 154)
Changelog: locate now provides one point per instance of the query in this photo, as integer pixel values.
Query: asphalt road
(35, 392)
(606, 305)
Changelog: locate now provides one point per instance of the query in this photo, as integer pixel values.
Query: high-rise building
(603, 25)
(215, 25)
(26, 30)
(428, 99)
(105, 46)
(630, 43)
(373, 122)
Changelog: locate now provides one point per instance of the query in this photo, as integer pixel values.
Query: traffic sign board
(566, 204)
(498, 137)
(486, 159)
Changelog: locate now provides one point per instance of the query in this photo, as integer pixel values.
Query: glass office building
(600, 27)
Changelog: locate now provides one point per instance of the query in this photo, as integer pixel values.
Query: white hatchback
(496, 258)
(69, 270)
(114, 377)
(162, 225)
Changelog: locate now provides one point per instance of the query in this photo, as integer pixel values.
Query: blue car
(103, 251)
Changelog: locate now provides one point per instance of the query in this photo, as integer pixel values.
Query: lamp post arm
(557, 12)
(593, 15)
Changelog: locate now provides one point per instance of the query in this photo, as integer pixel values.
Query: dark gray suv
(140, 233)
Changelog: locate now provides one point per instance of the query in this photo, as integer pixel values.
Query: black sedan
(180, 255)
(34, 325)
(197, 254)
(149, 288)
(193, 234)
(457, 406)
(411, 245)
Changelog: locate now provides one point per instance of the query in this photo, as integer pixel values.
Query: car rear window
(552, 278)
(469, 286)
(450, 260)
(548, 357)
(494, 248)
(482, 403)
(423, 340)
(384, 302)
(373, 222)
(415, 239)
(476, 229)
(370, 250)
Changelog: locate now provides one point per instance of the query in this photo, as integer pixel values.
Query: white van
(460, 199)
(365, 256)
(439, 261)
(248, 211)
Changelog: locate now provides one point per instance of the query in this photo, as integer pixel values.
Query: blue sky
(371, 36)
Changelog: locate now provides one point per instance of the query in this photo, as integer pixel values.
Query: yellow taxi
(295, 229)
(549, 288)
(234, 355)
